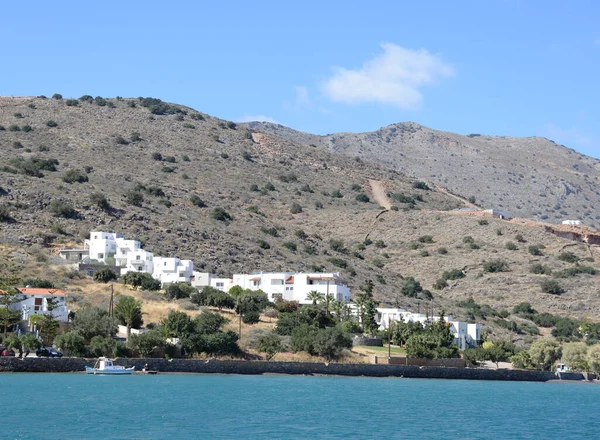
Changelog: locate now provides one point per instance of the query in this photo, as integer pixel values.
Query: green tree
(141, 279)
(521, 360)
(14, 342)
(544, 352)
(104, 275)
(314, 296)
(30, 343)
(270, 345)
(593, 359)
(147, 342)
(71, 343)
(251, 304)
(179, 291)
(129, 313)
(575, 355)
(8, 296)
(177, 324)
(93, 321)
(47, 326)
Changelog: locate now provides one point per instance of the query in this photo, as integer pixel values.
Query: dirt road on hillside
(379, 194)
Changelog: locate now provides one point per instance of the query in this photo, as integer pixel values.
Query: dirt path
(379, 194)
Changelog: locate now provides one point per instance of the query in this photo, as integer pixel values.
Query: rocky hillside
(235, 200)
(530, 177)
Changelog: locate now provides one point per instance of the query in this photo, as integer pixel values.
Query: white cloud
(566, 136)
(258, 118)
(393, 77)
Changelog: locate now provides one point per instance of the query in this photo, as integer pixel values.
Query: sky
(496, 67)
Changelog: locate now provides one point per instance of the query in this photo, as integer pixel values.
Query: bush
(135, 137)
(552, 286)
(141, 279)
(179, 291)
(26, 128)
(197, 201)
(421, 185)
(5, 216)
(495, 266)
(188, 125)
(520, 238)
(14, 127)
(104, 275)
(362, 197)
(296, 208)
(134, 198)
(220, 214)
(338, 262)
(569, 257)
(540, 269)
(380, 244)
(290, 245)
(425, 239)
(57, 96)
(87, 98)
(73, 176)
(157, 156)
(72, 102)
(263, 244)
(247, 156)
(274, 232)
(483, 222)
(52, 123)
(442, 251)
(453, 274)
(511, 246)
(61, 208)
(535, 249)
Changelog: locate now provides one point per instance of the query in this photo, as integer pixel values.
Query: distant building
(172, 270)
(465, 335)
(572, 222)
(36, 301)
(499, 213)
(289, 286)
(74, 255)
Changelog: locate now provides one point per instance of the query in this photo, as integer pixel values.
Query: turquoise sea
(79, 406)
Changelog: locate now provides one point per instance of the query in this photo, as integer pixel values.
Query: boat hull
(110, 372)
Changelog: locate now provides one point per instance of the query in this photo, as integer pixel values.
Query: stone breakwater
(214, 366)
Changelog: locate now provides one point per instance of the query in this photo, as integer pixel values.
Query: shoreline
(244, 367)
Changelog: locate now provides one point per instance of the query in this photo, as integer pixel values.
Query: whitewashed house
(572, 222)
(172, 270)
(36, 301)
(499, 213)
(128, 254)
(292, 286)
(203, 279)
(465, 335)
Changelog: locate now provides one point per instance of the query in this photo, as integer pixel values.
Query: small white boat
(105, 366)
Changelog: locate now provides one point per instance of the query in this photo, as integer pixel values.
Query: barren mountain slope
(530, 177)
(293, 207)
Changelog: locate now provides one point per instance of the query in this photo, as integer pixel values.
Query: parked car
(48, 352)
(8, 352)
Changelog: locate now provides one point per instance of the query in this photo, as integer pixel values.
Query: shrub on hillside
(536, 249)
(421, 185)
(73, 176)
(72, 102)
(61, 208)
(220, 214)
(495, 266)
(569, 257)
(511, 246)
(197, 201)
(362, 197)
(52, 123)
(104, 275)
(295, 208)
(552, 286)
(540, 269)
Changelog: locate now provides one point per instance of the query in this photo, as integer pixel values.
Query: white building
(203, 279)
(465, 335)
(36, 301)
(292, 286)
(102, 245)
(128, 254)
(572, 222)
(172, 270)
(499, 213)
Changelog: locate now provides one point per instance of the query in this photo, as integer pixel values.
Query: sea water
(189, 406)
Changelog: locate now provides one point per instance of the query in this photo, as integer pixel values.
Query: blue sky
(501, 67)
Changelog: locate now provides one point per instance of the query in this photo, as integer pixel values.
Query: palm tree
(338, 308)
(129, 312)
(315, 297)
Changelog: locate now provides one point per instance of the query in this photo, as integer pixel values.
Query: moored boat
(105, 366)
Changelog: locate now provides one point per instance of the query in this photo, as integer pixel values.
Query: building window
(138, 258)
(311, 281)
(220, 284)
(182, 275)
(95, 237)
(165, 263)
(100, 255)
(277, 296)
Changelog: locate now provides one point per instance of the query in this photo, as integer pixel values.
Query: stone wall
(214, 366)
(397, 360)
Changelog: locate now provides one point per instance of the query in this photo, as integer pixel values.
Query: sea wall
(213, 366)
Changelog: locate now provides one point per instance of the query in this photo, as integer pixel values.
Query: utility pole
(111, 304)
